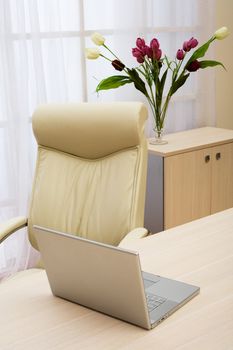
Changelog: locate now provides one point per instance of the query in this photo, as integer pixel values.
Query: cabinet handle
(218, 155)
(207, 158)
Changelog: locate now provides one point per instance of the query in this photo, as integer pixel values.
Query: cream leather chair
(90, 175)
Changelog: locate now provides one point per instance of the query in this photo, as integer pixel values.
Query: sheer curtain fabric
(42, 60)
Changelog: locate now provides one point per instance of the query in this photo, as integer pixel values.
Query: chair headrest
(90, 130)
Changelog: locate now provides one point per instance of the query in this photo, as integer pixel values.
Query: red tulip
(193, 66)
(118, 65)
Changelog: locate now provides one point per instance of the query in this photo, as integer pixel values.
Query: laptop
(108, 279)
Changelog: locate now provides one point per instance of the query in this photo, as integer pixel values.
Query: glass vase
(158, 138)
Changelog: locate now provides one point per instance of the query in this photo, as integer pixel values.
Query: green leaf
(113, 82)
(162, 83)
(210, 63)
(138, 82)
(200, 52)
(178, 83)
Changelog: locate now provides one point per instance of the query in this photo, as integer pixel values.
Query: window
(42, 61)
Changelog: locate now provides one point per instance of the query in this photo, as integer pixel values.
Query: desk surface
(190, 140)
(200, 252)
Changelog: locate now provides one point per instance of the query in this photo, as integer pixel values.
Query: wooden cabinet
(190, 177)
(222, 178)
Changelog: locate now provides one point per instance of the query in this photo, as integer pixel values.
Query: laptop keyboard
(154, 301)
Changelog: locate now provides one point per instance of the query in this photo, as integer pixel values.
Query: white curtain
(42, 60)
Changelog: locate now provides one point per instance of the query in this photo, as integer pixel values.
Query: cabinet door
(222, 177)
(187, 187)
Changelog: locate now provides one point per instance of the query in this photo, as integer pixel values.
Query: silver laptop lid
(102, 277)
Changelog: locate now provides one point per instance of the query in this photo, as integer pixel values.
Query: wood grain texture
(222, 177)
(187, 187)
(192, 187)
(192, 139)
(199, 252)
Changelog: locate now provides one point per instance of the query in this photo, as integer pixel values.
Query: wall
(224, 53)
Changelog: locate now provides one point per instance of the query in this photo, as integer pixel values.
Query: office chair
(90, 176)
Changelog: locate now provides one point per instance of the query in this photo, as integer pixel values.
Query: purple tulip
(138, 53)
(186, 46)
(190, 44)
(118, 65)
(157, 54)
(154, 44)
(143, 50)
(193, 66)
(140, 59)
(140, 43)
(148, 52)
(154, 51)
(180, 54)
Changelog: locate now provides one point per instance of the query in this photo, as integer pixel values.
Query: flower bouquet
(151, 75)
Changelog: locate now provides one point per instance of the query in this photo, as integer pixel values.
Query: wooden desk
(200, 252)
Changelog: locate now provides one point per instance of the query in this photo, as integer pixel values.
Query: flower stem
(107, 48)
(108, 59)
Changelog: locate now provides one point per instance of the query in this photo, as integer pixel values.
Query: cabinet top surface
(193, 139)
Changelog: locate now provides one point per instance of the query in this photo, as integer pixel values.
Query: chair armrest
(137, 233)
(12, 225)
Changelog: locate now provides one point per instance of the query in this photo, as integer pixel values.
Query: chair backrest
(90, 175)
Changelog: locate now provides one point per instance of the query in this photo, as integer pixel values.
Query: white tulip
(221, 33)
(92, 53)
(98, 39)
